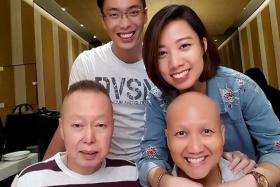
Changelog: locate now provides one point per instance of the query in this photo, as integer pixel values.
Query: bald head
(193, 105)
(194, 130)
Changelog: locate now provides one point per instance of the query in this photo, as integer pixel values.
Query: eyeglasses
(115, 15)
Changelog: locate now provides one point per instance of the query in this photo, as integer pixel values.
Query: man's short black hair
(100, 4)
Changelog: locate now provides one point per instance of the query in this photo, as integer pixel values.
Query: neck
(198, 87)
(81, 170)
(128, 56)
(213, 179)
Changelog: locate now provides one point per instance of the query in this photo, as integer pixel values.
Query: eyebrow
(184, 38)
(116, 9)
(96, 116)
(178, 40)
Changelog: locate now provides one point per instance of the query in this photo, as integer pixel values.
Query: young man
(195, 138)
(86, 127)
(119, 67)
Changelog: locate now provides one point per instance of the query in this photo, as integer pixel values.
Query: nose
(89, 135)
(175, 60)
(195, 145)
(124, 21)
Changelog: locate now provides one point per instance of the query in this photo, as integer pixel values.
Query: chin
(92, 163)
(197, 175)
(129, 45)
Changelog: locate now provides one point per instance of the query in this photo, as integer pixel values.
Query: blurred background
(40, 39)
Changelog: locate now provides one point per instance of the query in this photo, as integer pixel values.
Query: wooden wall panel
(31, 90)
(28, 35)
(75, 48)
(222, 59)
(259, 44)
(269, 48)
(237, 63)
(230, 54)
(245, 49)
(226, 58)
(7, 93)
(48, 63)
(63, 55)
(277, 6)
(84, 47)
(5, 34)
(4, 112)
(220, 54)
(227, 55)
(256, 44)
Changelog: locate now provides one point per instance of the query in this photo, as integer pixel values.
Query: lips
(180, 77)
(196, 161)
(127, 35)
(180, 74)
(89, 154)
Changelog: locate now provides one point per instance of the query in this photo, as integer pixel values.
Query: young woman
(179, 57)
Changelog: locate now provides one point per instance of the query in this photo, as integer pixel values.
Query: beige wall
(35, 55)
(55, 55)
(64, 70)
(230, 53)
(17, 56)
(5, 34)
(259, 43)
(6, 77)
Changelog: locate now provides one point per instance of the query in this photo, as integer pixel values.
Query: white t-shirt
(128, 86)
(53, 172)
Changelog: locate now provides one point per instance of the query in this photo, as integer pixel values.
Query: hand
(239, 162)
(171, 181)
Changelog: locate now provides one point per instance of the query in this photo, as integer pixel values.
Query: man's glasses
(116, 15)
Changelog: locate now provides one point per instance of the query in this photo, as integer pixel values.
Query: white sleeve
(15, 182)
(78, 70)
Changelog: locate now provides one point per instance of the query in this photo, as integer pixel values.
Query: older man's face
(87, 127)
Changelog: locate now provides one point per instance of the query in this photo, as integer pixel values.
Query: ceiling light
(94, 36)
(63, 9)
(81, 25)
(215, 40)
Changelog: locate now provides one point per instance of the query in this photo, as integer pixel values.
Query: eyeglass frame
(121, 13)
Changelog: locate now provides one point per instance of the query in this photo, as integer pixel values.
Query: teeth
(195, 160)
(180, 75)
(126, 35)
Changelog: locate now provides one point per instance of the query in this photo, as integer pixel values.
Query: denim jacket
(250, 123)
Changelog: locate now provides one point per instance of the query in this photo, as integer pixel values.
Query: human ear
(145, 15)
(166, 134)
(223, 133)
(205, 44)
(103, 23)
(61, 129)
